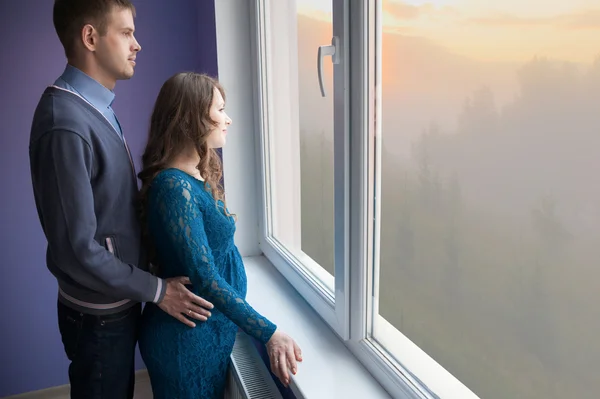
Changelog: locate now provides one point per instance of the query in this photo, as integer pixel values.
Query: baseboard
(63, 391)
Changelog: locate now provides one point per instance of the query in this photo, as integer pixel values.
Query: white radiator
(248, 377)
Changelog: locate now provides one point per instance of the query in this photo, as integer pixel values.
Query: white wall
(235, 73)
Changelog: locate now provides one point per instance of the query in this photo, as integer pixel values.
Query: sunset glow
(510, 30)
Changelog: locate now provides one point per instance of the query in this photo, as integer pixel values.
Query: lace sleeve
(182, 222)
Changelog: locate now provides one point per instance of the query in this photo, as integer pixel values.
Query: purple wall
(175, 36)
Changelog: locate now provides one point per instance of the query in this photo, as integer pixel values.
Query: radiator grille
(248, 377)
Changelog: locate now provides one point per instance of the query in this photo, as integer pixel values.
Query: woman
(191, 233)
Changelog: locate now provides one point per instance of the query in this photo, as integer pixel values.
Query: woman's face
(218, 135)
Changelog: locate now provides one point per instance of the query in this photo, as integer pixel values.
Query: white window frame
(328, 296)
(356, 135)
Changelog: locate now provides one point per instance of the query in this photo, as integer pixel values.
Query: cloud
(583, 20)
(588, 19)
(506, 20)
(403, 11)
(402, 30)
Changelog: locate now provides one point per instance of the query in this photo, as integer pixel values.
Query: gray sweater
(85, 189)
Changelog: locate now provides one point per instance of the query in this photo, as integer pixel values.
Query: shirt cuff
(161, 288)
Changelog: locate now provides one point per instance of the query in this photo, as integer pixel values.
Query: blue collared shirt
(100, 97)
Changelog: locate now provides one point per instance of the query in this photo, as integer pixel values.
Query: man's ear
(89, 37)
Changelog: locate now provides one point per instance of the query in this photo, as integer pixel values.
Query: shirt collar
(88, 88)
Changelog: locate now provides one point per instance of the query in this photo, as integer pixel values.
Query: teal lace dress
(193, 237)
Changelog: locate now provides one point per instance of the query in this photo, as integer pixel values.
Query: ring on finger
(189, 312)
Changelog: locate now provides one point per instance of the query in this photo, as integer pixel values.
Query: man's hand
(179, 301)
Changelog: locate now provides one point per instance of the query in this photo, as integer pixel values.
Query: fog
(490, 232)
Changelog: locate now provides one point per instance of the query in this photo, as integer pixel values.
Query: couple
(102, 233)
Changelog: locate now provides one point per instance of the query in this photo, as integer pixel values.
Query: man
(85, 189)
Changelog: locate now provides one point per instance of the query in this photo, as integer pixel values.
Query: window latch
(333, 51)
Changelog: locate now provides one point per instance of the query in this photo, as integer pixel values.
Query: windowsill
(328, 370)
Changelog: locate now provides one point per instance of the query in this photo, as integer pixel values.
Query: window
(443, 192)
(489, 245)
(304, 201)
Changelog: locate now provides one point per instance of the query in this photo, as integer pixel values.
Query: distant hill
(422, 81)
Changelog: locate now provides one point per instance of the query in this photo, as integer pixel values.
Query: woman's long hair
(181, 117)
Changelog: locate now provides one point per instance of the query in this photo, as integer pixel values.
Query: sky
(501, 30)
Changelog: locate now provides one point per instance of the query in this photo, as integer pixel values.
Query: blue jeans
(101, 350)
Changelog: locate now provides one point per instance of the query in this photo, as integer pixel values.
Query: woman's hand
(283, 353)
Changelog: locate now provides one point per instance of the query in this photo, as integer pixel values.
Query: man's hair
(70, 16)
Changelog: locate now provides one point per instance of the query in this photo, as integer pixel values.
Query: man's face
(117, 49)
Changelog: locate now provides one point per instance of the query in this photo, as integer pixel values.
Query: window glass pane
(302, 186)
(316, 132)
(490, 218)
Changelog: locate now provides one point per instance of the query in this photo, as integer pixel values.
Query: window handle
(331, 50)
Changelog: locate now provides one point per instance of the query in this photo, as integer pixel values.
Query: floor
(143, 390)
